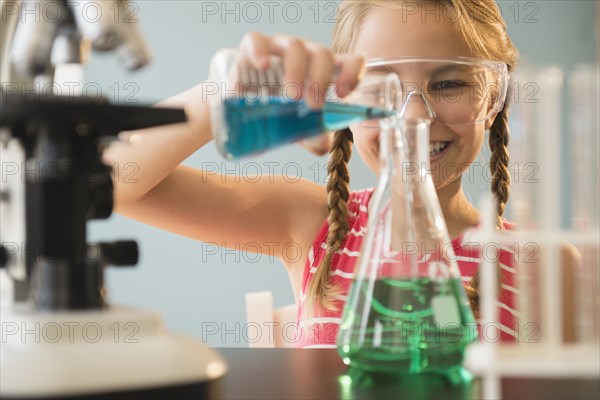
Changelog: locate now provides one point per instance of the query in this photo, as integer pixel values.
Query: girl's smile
(437, 150)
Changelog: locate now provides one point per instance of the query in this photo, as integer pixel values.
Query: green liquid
(413, 326)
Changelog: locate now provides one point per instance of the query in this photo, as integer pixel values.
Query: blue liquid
(255, 126)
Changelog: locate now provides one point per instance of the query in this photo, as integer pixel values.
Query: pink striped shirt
(322, 330)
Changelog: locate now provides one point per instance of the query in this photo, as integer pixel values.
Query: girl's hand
(310, 66)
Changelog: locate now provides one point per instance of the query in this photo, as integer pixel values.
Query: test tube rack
(541, 124)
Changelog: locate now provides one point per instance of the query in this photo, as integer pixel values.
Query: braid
(499, 136)
(320, 289)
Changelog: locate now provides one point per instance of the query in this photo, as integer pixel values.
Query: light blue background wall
(189, 283)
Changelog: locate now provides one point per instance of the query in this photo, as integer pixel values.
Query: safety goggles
(454, 91)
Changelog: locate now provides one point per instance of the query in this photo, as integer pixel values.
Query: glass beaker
(407, 312)
(253, 110)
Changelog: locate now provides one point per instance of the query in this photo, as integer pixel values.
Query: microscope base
(118, 353)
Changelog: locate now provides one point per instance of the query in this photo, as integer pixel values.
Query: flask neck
(404, 148)
(415, 215)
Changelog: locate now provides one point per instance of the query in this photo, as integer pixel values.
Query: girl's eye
(445, 85)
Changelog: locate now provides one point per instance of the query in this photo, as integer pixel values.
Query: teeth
(437, 147)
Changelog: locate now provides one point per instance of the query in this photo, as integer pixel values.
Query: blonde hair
(480, 24)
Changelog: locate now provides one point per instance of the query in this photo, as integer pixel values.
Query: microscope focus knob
(120, 253)
(101, 196)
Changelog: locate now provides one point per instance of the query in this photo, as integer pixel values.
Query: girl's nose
(416, 106)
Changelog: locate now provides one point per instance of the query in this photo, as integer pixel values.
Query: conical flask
(254, 110)
(407, 312)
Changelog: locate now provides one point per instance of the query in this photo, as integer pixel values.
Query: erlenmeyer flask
(407, 311)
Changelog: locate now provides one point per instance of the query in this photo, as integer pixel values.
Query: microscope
(60, 337)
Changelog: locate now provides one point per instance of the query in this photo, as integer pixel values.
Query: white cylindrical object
(259, 314)
(520, 207)
(521, 148)
(489, 281)
(584, 125)
(548, 131)
(489, 296)
(584, 97)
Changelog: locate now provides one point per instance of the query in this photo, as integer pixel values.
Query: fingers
(310, 68)
(321, 74)
(258, 49)
(351, 69)
(296, 59)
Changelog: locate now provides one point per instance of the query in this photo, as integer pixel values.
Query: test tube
(548, 130)
(584, 90)
(520, 145)
(520, 210)
(536, 197)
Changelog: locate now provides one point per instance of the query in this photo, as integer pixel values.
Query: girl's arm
(143, 158)
(151, 186)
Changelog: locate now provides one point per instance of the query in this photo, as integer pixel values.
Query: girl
(328, 224)
(389, 32)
